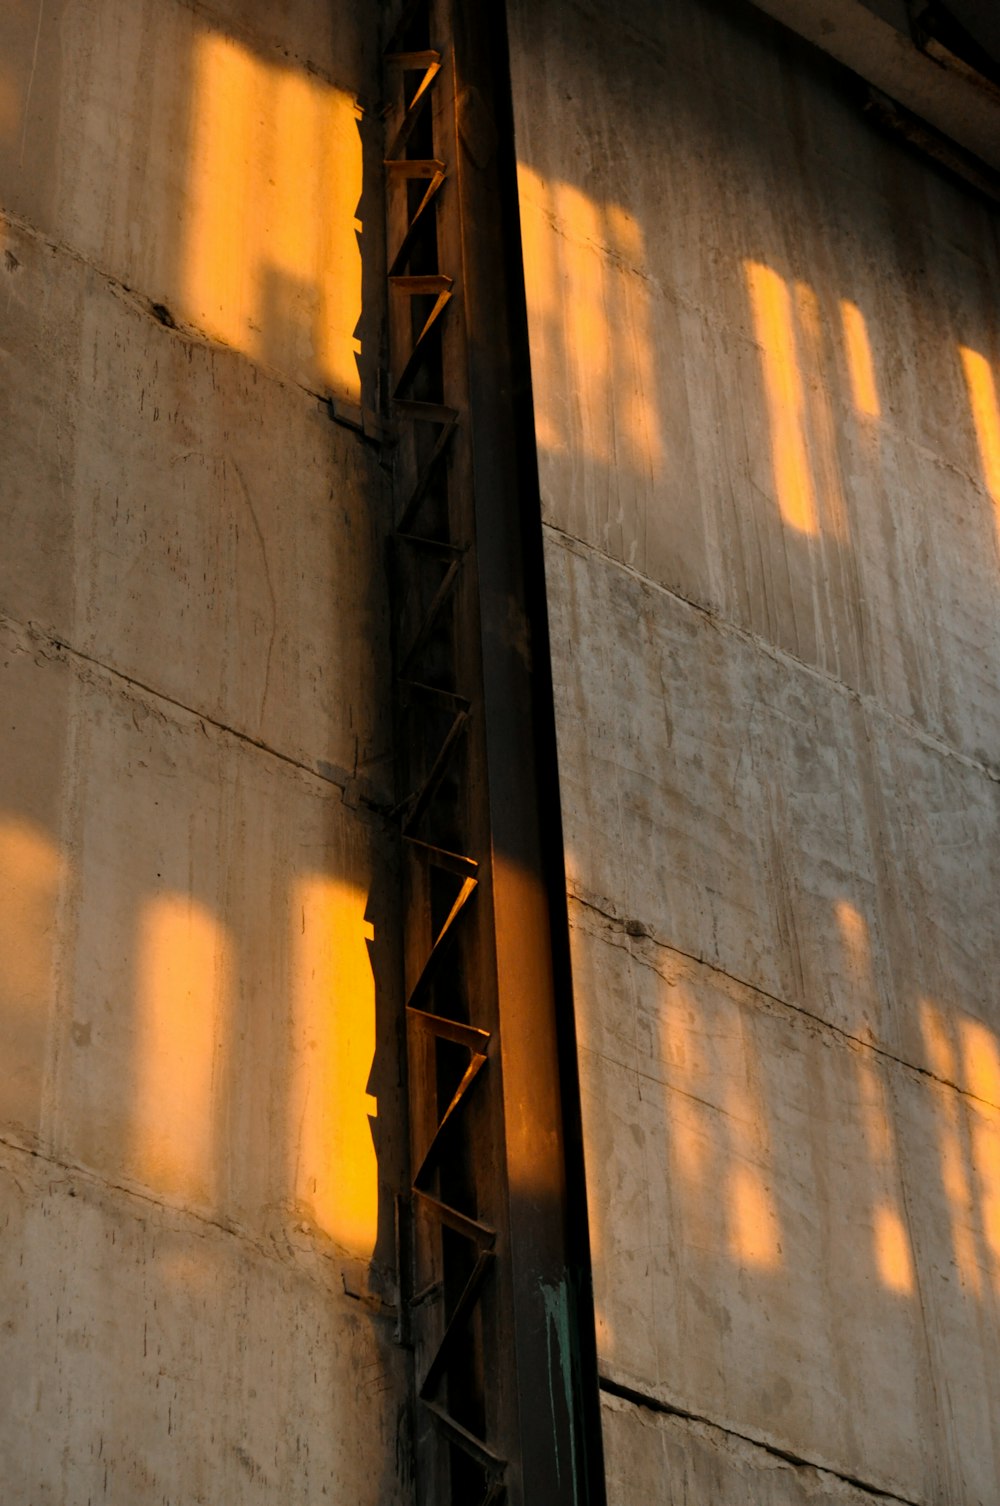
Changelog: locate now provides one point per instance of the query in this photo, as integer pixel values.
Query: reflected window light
(984, 1134)
(541, 282)
(635, 364)
(694, 1131)
(183, 1003)
(754, 1227)
(331, 1153)
(774, 330)
(955, 1178)
(981, 1060)
(272, 260)
(753, 1223)
(893, 1255)
(595, 372)
(853, 928)
(937, 1043)
(982, 390)
(820, 420)
(860, 365)
(584, 271)
(875, 1120)
(31, 867)
(892, 1251)
(981, 1063)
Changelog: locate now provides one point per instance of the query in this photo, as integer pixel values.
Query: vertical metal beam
(502, 1316)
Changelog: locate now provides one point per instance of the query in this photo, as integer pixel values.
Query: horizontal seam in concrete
(779, 655)
(618, 923)
(187, 332)
(37, 634)
(106, 1185)
(669, 1409)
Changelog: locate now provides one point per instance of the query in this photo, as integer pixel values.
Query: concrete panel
(189, 998)
(671, 1461)
(765, 361)
(754, 814)
(764, 349)
(795, 1236)
(200, 1118)
(171, 512)
(150, 1356)
(207, 164)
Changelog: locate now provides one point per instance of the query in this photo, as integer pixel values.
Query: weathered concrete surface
(765, 360)
(199, 1109)
(207, 156)
(171, 512)
(670, 1461)
(786, 1222)
(186, 987)
(748, 316)
(176, 1362)
(757, 815)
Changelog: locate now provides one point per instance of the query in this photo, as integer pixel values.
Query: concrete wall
(198, 932)
(766, 362)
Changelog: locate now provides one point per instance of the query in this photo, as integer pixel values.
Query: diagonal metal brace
(415, 226)
(416, 354)
(461, 900)
(411, 62)
(458, 1320)
(448, 427)
(437, 773)
(468, 1442)
(472, 1071)
(430, 616)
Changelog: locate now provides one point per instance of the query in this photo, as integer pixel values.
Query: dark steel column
(500, 1307)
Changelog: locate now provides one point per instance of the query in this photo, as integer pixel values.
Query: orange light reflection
(774, 329)
(819, 412)
(954, 1175)
(981, 1064)
(982, 389)
(31, 870)
(860, 366)
(184, 988)
(272, 262)
(727, 1147)
(594, 365)
(892, 1250)
(332, 1164)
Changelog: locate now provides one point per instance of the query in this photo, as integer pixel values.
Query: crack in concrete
(270, 586)
(636, 929)
(781, 656)
(669, 1409)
